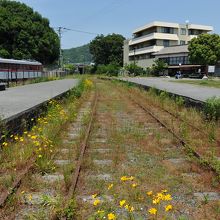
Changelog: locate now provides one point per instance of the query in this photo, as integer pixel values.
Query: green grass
(207, 83)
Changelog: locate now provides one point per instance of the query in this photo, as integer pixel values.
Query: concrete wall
(126, 52)
(145, 63)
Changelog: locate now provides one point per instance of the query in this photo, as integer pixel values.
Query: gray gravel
(16, 100)
(200, 93)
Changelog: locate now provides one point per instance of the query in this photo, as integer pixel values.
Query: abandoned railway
(115, 152)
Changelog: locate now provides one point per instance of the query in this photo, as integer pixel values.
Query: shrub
(212, 108)
(110, 69)
(134, 69)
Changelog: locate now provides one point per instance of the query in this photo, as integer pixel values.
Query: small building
(177, 58)
(156, 36)
(13, 70)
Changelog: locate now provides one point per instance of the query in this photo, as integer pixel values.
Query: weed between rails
(207, 147)
(159, 208)
(42, 139)
(150, 154)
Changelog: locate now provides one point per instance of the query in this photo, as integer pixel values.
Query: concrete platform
(17, 100)
(200, 93)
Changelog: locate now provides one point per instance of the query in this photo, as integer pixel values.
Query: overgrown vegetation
(212, 108)
(109, 70)
(134, 70)
(42, 137)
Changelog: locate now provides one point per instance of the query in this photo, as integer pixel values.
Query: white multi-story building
(153, 37)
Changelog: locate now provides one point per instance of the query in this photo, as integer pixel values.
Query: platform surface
(15, 100)
(200, 93)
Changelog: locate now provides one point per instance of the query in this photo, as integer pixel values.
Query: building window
(183, 31)
(166, 43)
(167, 30)
(182, 42)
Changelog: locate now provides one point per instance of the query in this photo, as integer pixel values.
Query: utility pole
(60, 56)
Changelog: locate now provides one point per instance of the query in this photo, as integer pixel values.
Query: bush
(110, 69)
(134, 69)
(212, 108)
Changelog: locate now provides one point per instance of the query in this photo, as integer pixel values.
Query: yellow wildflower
(21, 139)
(123, 178)
(131, 209)
(40, 156)
(126, 178)
(160, 196)
(122, 202)
(164, 190)
(127, 207)
(96, 202)
(168, 208)
(152, 211)
(25, 132)
(134, 185)
(33, 137)
(94, 195)
(167, 197)
(111, 216)
(156, 201)
(16, 138)
(4, 144)
(110, 186)
(30, 197)
(150, 193)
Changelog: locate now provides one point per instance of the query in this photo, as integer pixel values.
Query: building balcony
(192, 36)
(153, 36)
(151, 49)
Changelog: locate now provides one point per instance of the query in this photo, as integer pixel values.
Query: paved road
(200, 93)
(16, 100)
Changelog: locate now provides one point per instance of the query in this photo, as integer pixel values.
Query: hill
(78, 55)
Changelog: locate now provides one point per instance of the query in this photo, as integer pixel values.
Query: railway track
(114, 140)
(88, 180)
(178, 120)
(178, 117)
(29, 172)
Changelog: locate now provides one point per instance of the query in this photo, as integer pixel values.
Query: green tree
(159, 66)
(70, 67)
(25, 34)
(205, 49)
(107, 49)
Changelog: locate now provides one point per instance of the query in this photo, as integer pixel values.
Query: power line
(60, 31)
(85, 32)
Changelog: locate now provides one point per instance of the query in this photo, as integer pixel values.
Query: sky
(121, 16)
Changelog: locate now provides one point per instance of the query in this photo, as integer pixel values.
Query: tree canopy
(25, 34)
(205, 49)
(107, 49)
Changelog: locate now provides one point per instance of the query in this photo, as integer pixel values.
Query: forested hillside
(78, 55)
